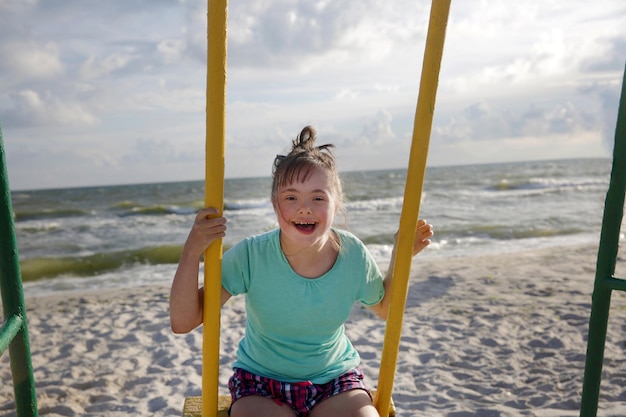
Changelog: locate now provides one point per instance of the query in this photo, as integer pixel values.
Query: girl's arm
(186, 299)
(423, 233)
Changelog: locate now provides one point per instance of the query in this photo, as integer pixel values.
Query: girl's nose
(304, 208)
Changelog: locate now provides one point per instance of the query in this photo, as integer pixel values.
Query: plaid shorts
(300, 396)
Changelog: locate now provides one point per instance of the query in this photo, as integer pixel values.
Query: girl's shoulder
(344, 233)
(254, 243)
(261, 245)
(348, 239)
(269, 236)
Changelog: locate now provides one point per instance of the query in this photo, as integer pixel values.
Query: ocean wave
(380, 239)
(38, 227)
(498, 232)
(48, 214)
(555, 184)
(129, 208)
(156, 210)
(480, 234)
(379, 204)
(96, 264)
(251, 204)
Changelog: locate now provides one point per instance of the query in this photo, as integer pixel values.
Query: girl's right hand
(207, 228)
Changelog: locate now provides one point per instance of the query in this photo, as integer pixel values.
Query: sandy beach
(483, 336)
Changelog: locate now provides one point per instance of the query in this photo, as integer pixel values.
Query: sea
(77, 239)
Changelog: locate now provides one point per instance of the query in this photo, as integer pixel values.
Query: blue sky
(96, 93)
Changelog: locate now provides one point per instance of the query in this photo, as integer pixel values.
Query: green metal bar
(9, 331)
(13, 304)
(605, 267)
(616, 284)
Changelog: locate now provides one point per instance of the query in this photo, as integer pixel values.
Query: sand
(482, 336)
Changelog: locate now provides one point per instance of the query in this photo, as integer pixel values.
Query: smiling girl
(300, 282)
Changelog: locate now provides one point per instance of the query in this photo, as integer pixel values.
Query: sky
(114, 92)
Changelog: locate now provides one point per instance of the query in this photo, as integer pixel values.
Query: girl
(300, 281)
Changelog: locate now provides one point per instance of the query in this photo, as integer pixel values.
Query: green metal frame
(14, 331)
(605, 281)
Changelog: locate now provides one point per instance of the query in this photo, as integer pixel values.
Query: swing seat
(193, 406)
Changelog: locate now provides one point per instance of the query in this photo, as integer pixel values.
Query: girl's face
(306, 210)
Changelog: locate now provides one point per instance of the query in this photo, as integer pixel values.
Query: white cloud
(171, 50)
(29, 59)
(95, 67)
(11, 6)
(127, 80)
(32, 109)
(377, 130)
(521, 148)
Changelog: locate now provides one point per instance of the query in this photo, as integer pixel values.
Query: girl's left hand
(423, 233)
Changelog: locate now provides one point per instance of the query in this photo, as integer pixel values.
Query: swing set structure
(14, 329)
(211, 404)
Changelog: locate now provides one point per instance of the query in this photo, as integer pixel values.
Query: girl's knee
(353, 403)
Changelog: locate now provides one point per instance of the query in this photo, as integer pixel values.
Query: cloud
(171, 50)
(126, 81)
(94, 67)
(31, 109)
(153, 151)
(304, 35)
(610, 56)
(31, 60)
(30, 160)
(480, 122)
(607, 96)
(378, 130)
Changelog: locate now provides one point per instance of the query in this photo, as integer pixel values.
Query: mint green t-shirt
(295, 325)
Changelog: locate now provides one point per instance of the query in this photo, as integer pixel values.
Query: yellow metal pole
(412, 197)
(214, 197)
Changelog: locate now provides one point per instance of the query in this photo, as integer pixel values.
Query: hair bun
(306, 139)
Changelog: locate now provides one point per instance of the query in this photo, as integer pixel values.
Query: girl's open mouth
(305, 226)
